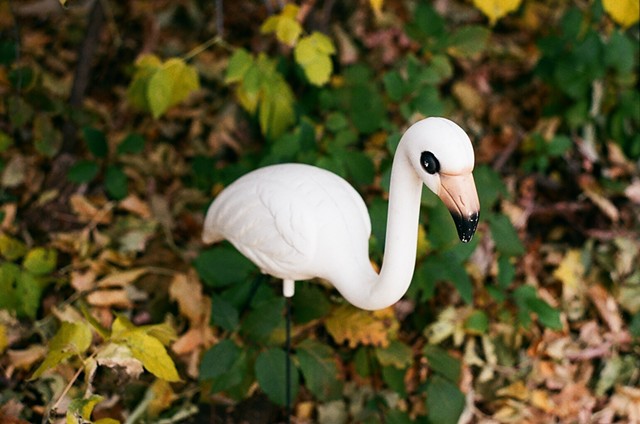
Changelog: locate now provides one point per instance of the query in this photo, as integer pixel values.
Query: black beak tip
(466, 226)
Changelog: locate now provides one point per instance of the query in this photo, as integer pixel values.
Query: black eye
(429, 162)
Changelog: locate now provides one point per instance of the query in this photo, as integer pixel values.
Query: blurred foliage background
(120, 121)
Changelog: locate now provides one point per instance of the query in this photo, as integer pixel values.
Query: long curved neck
(381, 290)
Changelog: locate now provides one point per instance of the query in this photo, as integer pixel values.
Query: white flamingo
(297, 222)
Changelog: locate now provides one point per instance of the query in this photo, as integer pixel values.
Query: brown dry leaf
(574, 400)
(122, 278)
(632, 192)
(186, 289)
(83, 280)
(358, 327)
(607, 307)
(88, 212)
(625, 403)
(116, 355)
(110, 299)
(25, 358)
(470, 98)
(135, 205)
(594, 192)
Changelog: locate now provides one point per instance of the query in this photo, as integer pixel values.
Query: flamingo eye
(429, 162)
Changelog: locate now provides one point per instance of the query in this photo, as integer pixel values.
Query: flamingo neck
(385, 289)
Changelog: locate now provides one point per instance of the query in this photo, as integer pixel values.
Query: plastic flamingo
(297, 222)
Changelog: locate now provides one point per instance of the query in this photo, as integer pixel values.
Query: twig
(83, 69)
(219, 18)
(217, 40)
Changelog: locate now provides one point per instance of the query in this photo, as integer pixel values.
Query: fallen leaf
(496, 9)
(186, 289)
(607, 307)
(25, 358)
(116, 355)
(357, 327)
(135, 205)
(88, 212)
(594, 192)
(110, 299)
(624, 12)
(122, 278)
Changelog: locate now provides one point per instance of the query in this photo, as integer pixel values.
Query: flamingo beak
(459, 195)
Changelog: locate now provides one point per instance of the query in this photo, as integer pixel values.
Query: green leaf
(96, 141)
(442, 363)
(116, 182)
(394, 377)
(5, 141)
(547, 315)
(218, 360)
(477, 323)
(11, 248)
(239, 64)
(313, 53)
(9, 274)
(79, 410)
(223, 313)
(133, 143)
(275, 111)
(148, 350)
(396, 354)
(319, 369)
(468, 40)
(223, 265)
(309, 303)
(619, 53)
(72, 338)
(395, 85)
(490, 186)
(270, 368)
(28, 293)
(505, 236)
(445, 402)
(360, 167)
(40, 261)
(506, 272)
(261, 322)
(46, 138)
(83, 171)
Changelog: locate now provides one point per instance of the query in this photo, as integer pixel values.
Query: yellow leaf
(376, 6)
(73, 338)
(285, 25)
(11, 248)
(358, 327)
(163, 397)
(571, 269)
(4, 341)
(312, 54)
(496, 9)
(623, 12)
(150, 351)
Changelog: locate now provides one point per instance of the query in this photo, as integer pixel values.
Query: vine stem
(54, 407)
(213, 41)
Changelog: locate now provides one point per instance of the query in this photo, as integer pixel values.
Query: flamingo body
(297, 222)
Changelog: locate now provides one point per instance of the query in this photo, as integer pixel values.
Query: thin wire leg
(288, 363)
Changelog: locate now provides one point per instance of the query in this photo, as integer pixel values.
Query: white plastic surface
(297, 222)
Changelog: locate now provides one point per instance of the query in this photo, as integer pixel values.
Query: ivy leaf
(313, 53)
(623, 12)
(73, 338)
(496, 9)
(270, 371)
(115, 182)
(96, 141)
(284, 25)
